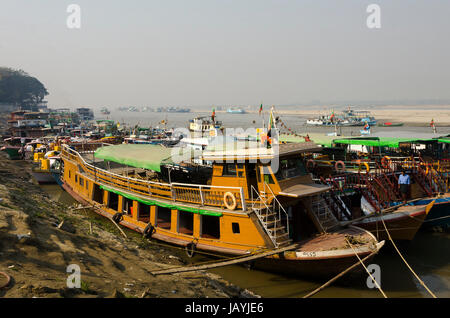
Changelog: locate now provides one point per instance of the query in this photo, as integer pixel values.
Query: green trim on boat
(161, 204)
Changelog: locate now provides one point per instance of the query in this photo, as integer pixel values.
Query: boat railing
(204, 195)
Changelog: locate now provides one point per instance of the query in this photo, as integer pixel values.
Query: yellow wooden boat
(235, 202)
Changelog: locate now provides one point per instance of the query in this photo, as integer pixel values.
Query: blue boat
(235, 111)
(439, 215)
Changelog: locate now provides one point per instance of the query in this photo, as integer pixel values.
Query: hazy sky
(204, 52)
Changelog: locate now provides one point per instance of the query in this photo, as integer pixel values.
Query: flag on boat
(213, 116)
(332, 116)
(271, 123)
(260, 109)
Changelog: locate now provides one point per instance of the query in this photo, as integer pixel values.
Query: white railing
(207, 195)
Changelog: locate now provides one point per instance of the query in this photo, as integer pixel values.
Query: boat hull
(13, 152)
(439, 215)
(401, 225)
(44, 177)
(306, 260)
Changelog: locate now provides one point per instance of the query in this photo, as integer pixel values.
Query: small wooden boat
(12, 151)
(402, 224)
(389, 124)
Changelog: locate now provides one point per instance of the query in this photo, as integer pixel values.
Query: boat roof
(391, 142)
(318, 138)
(302, 190)
(145, 156)
(252, 150)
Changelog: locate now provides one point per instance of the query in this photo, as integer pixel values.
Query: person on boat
(403, 185)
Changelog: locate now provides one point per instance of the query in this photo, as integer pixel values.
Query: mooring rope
(362, 263)
(395, 246)
(315, 291)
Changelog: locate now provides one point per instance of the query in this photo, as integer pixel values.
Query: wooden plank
(224, 263)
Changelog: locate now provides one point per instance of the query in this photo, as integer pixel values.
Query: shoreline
(414, 116)
(36, 253)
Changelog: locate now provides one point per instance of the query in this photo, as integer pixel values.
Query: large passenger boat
(237, 204)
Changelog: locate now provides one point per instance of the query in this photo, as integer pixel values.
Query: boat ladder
(323, 215)
(273, 217)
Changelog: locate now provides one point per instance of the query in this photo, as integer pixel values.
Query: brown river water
(428, 254)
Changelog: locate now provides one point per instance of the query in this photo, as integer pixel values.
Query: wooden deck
(335, 240)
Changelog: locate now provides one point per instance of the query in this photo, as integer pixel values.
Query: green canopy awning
(446, 140)
(319, 139)
(140, 156)
(379, 142)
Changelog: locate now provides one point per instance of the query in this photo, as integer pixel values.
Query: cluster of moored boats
(317, 208)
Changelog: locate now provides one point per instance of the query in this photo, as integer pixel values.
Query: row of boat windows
(287, 168)
(80, 181)
(209, 225)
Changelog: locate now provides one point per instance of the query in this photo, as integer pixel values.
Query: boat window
(76, 178)
(144, 212)
(163, 217)
(229, 169)
(268, 179)
(210, 226)
(290, 168)
(113, 201)
(97, 194)
(81, 181)
(235, 228)
(127, 205)
(69, 174)
(185, 222)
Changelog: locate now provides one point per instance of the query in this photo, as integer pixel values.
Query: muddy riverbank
(41, 237)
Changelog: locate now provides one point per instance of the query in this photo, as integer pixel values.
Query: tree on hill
(20, 89)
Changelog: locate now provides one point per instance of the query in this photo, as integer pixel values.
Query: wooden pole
(121, 231)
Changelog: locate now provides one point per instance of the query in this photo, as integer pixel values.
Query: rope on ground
(373, 279)
(395, 246)
(338, 276)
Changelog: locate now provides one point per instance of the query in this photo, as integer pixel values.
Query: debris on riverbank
(39, 238)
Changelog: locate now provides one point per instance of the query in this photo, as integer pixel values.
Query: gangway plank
(225, 263)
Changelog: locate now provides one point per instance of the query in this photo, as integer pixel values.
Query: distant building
(28, 124)
(85, 113)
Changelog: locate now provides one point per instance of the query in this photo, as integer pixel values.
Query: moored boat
(439, 215)
(389, 124)
(236, 205)
(402, 224)
(235, 110)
